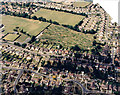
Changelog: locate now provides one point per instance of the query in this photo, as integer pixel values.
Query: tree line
(83, 14)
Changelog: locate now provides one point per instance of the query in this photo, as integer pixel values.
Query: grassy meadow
(22, 38)
(11, 37)
(67, 37)
(60, 17)
(30, 26)
(81, 4)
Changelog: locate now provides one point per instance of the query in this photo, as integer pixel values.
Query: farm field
(66, 37)
(60, 17)
(30, 26)
(81, 4)
(11, 37)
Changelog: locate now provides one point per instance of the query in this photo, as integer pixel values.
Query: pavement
(17, 80)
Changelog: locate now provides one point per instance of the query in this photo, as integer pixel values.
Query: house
(102, 68)
(28, 58)
(56, 51)
(117, 69)
(32, 48)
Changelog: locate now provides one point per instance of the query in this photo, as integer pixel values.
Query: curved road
(21, 72)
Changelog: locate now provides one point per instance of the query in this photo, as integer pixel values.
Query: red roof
(118, 67)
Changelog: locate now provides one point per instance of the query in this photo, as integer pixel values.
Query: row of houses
(19, 9)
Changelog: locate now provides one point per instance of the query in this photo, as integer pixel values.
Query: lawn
(60, 17)
(11, 37)
(67, 37)
(81, 4)
(32, 27)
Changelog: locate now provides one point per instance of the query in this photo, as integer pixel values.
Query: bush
(24, 45)
(17, 44)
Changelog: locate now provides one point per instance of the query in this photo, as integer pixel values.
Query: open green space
(81, 4)
(30, 26)
(67, 37)
(11, 37)
(60, 17)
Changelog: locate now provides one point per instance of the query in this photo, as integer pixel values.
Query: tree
(87, 69)
(40, 18)
(98, 15)
(60, 46)
(115, 23)
(76, 27)
(50, 21)
(44, 20)
(54, 22)
(29, 17)
(24, 15)
(24, 45)
(35, 18)
(95, 37)
(16, 43)
(42, 63)
(21, 31)
(27, 4)
(32, 39)
(12, 4)
(94, 43)
(76, 48)
(80, 22)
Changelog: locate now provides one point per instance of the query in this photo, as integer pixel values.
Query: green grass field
(80, 4)
(11, 37)
(60, 17)
(67, 37)
(32, 27)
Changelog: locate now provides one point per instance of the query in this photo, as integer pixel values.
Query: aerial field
(30, 26)
(67, 37)
(22, 38)
(60, 17)
(11, 37)
(81, 4)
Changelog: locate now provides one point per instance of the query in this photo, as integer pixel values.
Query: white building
(111, 7)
